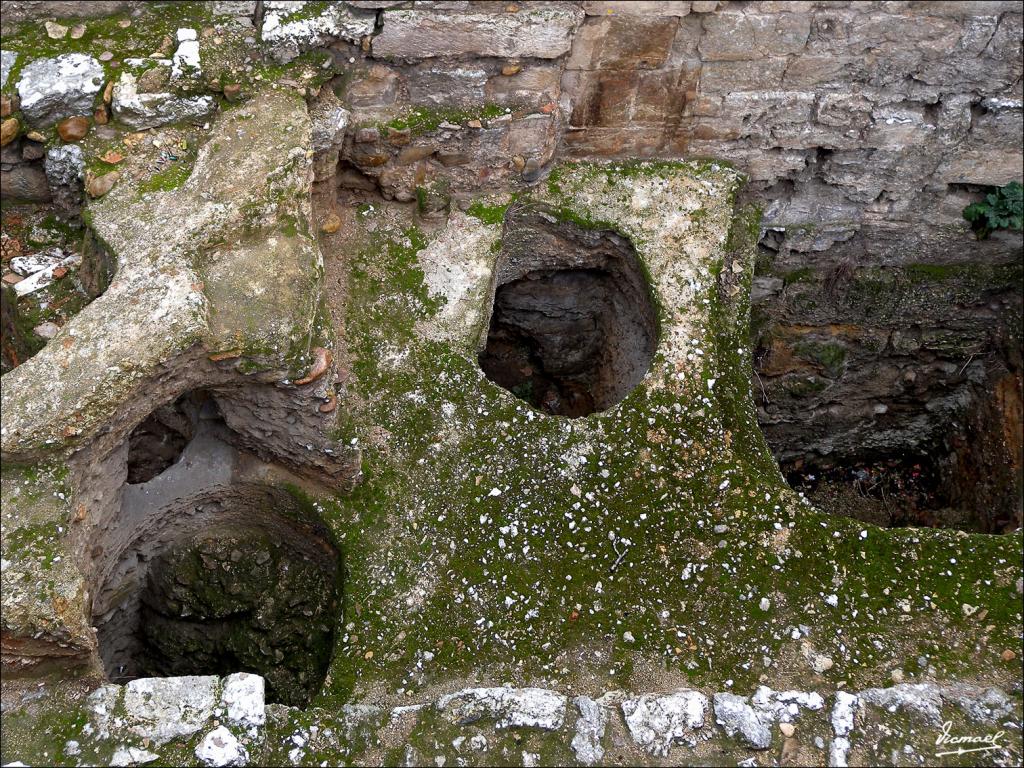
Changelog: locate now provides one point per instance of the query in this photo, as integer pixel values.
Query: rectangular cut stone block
(963, 7)
(234, 8)
(661, 96)
(623, 42)
(688, 35)
(747, 36)
(535, 85)
(446, 86)
(600, 98)
(994, 166)
(895, 127)
(544, 33)
(532, 137)
(725, 76)
(377, 87)
(771, 107)
(813, 70)
(768, 166)
(163, 708)
(637, 7)
(853, 32)
(616, 142)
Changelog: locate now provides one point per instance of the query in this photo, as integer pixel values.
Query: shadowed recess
(573, 327)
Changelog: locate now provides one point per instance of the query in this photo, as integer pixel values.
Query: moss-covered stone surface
(512, 545)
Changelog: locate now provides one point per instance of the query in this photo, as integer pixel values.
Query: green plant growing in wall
(1002, 209)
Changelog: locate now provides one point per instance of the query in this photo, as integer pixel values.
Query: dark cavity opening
(158, 442)
(209, 568)
(895, 395)
(573, 326)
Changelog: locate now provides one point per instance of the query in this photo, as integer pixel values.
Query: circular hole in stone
(228, 584)
(573, 326)
(205, 570)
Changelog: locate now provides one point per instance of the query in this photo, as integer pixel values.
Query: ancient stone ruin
(511, 383)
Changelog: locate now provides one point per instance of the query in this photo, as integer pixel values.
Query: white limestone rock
(220, 748)
(64, 86)
(784, 706)
(656, 722)
(924, 699)
(289, 33)
(330, 120)
(185, 61)
(150, 110)
(244, 699)
(842, 718)
(164, 708)
(510, 707)
(125, 756)
(7, 61)
(735, 715)
(590, 728)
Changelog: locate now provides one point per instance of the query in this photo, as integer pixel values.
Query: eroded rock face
(160, 283)
(64, 86)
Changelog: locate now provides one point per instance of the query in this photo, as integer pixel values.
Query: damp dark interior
(894, 395)
(573, 326)
(208, 571)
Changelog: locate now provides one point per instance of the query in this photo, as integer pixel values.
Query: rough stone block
(601, 98)
(243, 697)
(234, 8)
(544, 33)
(963, 8)
(994, 166)
(661, 96)
(636, 7)
(377, 87)
(748, 36)
(725, 76)
(289, 31)
(623, 42)
(535, 85)
(150, 110)
(898, 126)
(510, 707)
(657, 722)
(533, 137)
(64, 86)
(161, 709)
(616, 142)
(7, 61)
(770, 165)
(809, 71)
(688, 35)
(770, 107)
(446, 85)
